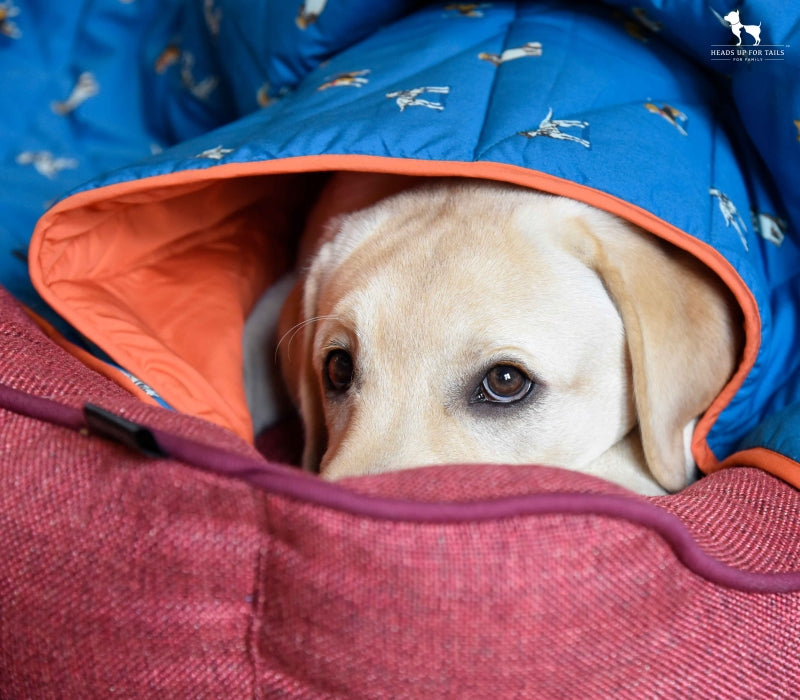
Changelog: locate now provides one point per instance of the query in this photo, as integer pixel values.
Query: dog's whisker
(294, 330)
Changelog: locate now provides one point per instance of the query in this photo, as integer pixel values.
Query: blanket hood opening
(161, 273)
(160, 276)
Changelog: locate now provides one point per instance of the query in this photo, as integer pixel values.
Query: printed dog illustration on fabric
(462, 321)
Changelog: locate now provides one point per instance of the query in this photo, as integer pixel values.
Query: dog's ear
(683, 334)
(295, 334)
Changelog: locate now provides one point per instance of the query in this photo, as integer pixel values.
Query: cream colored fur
(626, 340)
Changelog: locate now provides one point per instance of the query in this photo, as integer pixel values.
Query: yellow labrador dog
(457, 321)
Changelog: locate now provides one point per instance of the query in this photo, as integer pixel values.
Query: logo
(745, 44)
(732, 18)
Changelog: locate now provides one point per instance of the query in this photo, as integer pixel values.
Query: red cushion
(215, 573)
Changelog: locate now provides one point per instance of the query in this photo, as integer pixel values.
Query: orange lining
(75, 216)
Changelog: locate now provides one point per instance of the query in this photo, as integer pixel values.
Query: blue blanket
(686, 122)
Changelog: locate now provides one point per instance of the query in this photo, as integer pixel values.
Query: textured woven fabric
(120, 575)
(526, 607)
(134, 577)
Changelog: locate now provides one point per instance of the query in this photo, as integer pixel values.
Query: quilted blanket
(685, 123)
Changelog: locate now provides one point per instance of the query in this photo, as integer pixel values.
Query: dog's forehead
(455, 235)
(446, 223)
(436, 254)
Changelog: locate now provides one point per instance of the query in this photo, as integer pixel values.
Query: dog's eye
(503, 384)
(339, 370)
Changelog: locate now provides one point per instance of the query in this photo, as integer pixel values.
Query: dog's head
(732, 17)
(475, 322)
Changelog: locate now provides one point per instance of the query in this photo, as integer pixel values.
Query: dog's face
(462, 322)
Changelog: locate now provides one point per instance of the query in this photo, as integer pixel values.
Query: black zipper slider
(113, 427)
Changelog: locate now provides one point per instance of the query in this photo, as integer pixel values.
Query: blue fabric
(50, 146)
(778, 433)
(647, 103)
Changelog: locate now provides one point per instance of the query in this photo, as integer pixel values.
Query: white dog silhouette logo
(732, 18)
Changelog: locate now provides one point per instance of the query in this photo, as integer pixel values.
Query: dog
(531, 48)
(459, 321)
(732, 18)
(309, 12)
